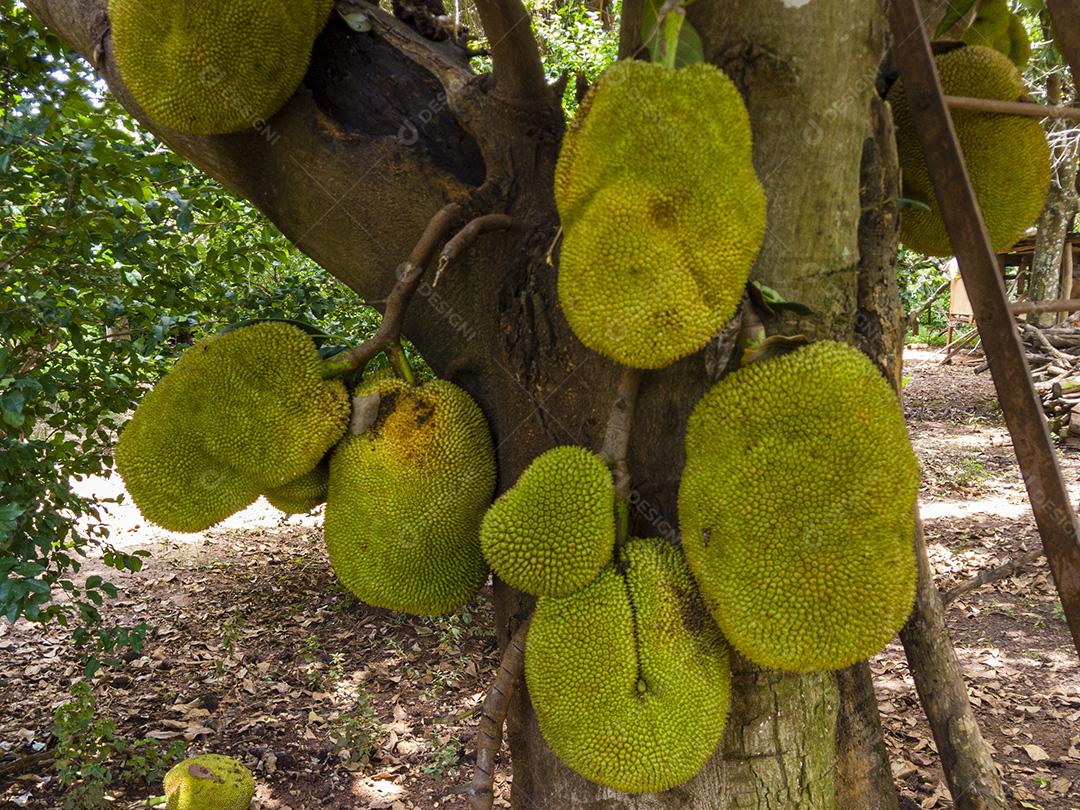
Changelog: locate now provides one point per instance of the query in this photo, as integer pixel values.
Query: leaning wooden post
(979, 268)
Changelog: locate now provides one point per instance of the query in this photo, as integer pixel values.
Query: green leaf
(955, 10)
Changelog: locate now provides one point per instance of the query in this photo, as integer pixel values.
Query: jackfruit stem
(401, 294)
(399, 362)
(616, 447)
(673, 21)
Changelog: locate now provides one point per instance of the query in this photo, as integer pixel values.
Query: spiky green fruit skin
(205, 67)
(1007, 155)
(228, 786)
(552, 532)
(990, 26)
(301, 495)
(662, 212)
(407, 496)
(240, 413)
(630, 677)
(796, 508)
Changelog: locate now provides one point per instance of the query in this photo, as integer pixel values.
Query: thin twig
(409, 274)
(992, 575)
(616, 447)
(467, 235)
(990, 105)
(515, 57)
(481, 791)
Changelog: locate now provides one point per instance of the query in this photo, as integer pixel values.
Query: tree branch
(409, 274)
(515, 57)
(467, 235)
(481, 792)
(1002, 571)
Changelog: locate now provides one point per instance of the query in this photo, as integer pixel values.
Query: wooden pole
(1066, 278)
(963, 219)
(990, 105)
(1041, 307)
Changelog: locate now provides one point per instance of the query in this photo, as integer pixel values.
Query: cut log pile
(1054, 357)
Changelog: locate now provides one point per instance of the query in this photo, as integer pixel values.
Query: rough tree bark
(389, 127)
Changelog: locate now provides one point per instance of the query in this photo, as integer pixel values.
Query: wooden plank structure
(1021, 255)
(985, 287)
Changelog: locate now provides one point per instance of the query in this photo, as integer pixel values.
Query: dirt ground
(259, 654)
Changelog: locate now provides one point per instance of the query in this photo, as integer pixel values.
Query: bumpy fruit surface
(796, 508)
(407, 496)
(209, 782)
(552, 532)
(240, 413)
(1007, 155)
(662, 212)
(206, 67)
(301, 495)
(630, 677)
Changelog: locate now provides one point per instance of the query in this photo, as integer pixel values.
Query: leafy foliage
(575, 39)
(114, 255)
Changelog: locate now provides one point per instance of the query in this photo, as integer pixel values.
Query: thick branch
(1002, 571)
(481, 791)
(515, 57)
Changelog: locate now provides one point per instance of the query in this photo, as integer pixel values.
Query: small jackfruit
(990, 26)
(407, 496)
(1019, 52)
(301, 495)
(662, 212)
(240, 413)
(209, 782)
(204, 67)
(552, 532)
(796, 508)
(1007, 155)
(629, 677)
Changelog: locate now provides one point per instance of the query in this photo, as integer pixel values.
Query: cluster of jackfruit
(241, 413)
(552, 532)
(997, 27)
(796, 508)
(407, 495)
(206, 67)
(662, 212)
(629, 677)
(209, 782)
(1007, 156)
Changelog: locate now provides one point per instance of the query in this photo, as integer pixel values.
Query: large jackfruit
(206, 67)
(629, 677)
(552, 532)
(209, 782)
(240, 413)
(301, 495)
(1007, 155)
(407, 496)
(662, 212)
(796, 508)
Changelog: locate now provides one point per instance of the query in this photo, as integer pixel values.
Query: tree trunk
(1055, 221)
(389, 127)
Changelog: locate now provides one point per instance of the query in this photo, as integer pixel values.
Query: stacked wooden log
(1054, 357)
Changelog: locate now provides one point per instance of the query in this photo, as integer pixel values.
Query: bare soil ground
(257, 653)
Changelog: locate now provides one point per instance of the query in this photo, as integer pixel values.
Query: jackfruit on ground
(205, 67)
(240, 413)
(209, 782)
(407, 496)
(796, 508)
(1007, 155)
(301, 495)
(629, 677)
(552, 532)
(662, 212)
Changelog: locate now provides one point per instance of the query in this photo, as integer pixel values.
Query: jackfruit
(301, 495)
(552, 532)
(796, 508)
(209, 782)
(629, 677)
(240, 413)
(1019, 43)
(1007, 155)
(662, 212)
(407, 496)
(206, 68)
(990, 26)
